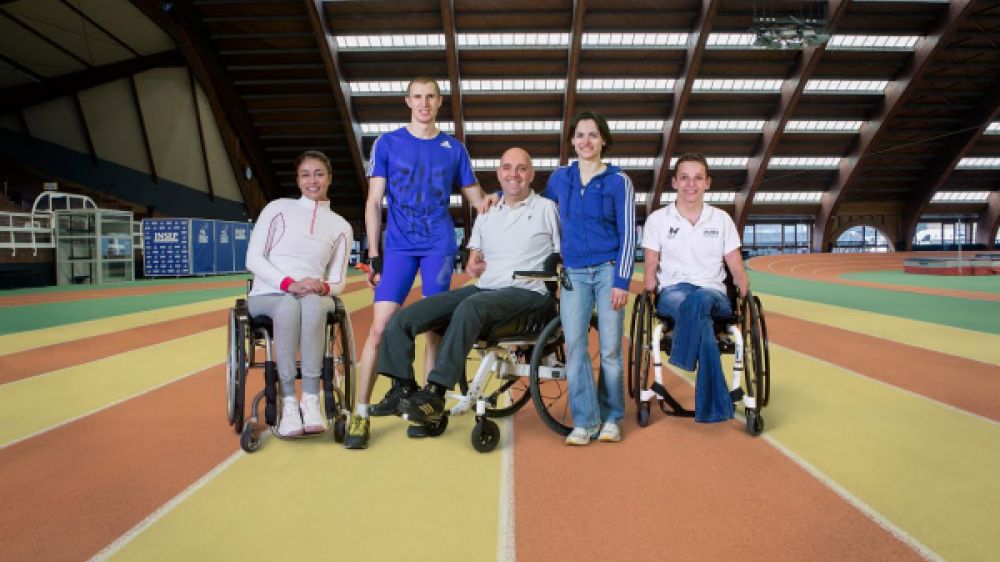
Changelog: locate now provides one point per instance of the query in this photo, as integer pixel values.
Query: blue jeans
(692, 309)
(590, 407)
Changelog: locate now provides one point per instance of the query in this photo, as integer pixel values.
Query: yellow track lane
(927, 468)
(30, 405)
(22, 341)
(969, 344)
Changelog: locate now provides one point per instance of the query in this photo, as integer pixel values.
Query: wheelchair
(247, 334)
(742, 334)
(520, 359)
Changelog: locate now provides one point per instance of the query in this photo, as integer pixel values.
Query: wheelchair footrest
(668, 404)
(736, 395)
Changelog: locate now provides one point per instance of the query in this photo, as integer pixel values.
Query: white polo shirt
(691, 253)
(516, 237)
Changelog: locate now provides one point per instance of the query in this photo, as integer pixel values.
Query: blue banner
(202, 247)
(241, 240)
(224, 258)
(166, 247)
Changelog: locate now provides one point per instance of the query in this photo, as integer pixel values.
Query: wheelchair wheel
(485, 436)
(550, 394)
(510, 394)
(231, 366)
(342, 351)
(755, 423)
(757, 361)
(640, 354)
(249, 438)
(339, 429)
(236, 368)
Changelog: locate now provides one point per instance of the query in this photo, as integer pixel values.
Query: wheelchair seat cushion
(522, 327)
(264, 322)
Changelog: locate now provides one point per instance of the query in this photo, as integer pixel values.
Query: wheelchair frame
(751, 364)
(248, 333)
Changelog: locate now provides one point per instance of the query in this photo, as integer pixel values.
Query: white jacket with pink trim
(298, 238)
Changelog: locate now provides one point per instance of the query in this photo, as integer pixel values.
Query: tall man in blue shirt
(416, 168)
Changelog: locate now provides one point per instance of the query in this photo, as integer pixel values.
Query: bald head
(515, 174)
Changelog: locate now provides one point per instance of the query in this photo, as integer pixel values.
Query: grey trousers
(299, 323)
(466, 313)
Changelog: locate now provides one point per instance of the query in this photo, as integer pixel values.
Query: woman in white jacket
(298, 254)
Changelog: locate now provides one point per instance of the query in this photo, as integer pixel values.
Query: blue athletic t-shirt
(421, 175)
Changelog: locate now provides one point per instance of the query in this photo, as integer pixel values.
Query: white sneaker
(610, 433)
(312, 414)
(291, 421)
(579, 436)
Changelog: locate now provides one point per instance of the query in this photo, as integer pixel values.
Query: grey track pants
(299, 323)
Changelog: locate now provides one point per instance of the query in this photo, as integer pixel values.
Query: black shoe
(389, 406)
(426, 405)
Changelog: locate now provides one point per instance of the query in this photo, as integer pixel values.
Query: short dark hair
(692, 157)
(315, 155)
(424, 79)
(599, 120)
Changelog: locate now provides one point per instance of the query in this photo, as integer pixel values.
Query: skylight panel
(872, 42)
(722, 197)
(990, 163)
(625, 85)
(635, 40)
(514, 85)
(804, 163)
(491, 164)
(636, 126)
(722, 126)
(721, 162)
(822, 126)
(994, 128)
(430, 41)
(960, 197)
(389, 87)
(773, 197)
(730, 40)
(849, 87)
(379, 128)
(738, 86)
(631, 162)
(514, 40)
(512, 127)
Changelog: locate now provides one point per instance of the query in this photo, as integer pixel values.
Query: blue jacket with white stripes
(598, 219)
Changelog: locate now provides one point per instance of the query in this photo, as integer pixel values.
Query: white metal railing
(26, 231)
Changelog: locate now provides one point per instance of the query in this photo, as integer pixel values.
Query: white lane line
(164, 509)
(505, 518)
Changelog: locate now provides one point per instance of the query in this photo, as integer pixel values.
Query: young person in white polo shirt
(517, 235)
(685, 246)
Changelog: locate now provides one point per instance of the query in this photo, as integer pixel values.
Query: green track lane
(981, 283)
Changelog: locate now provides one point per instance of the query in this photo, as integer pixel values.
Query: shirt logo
(672, 232)
(446, 144)
(711, 232)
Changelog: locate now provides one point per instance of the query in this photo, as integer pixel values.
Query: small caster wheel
(339, 429)
(436, 427)
(485, 436)
(250, 438)
(643, 414)
(755, 423)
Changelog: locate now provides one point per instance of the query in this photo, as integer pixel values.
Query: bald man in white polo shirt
(517, 235)
(685, 247)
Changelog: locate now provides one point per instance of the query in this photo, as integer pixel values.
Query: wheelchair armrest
(548, 273)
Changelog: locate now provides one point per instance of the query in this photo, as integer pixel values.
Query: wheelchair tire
(249, 438)
(642, 414)
(755, 423)
(640, 351)
(342, 351)
(756, 356)
(339, 429)
(244, 344)
(231, 366)
(485, 436)
(551, 396)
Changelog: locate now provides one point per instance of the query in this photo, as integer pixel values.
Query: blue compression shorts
(399, 271)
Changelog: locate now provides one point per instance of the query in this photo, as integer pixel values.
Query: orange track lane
(963, 383)
(829, 268)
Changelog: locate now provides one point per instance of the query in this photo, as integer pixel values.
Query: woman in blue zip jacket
(597, 211)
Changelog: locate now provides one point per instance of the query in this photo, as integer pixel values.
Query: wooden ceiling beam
(682, 92)
(244, 149)
(943, 165)
(572, 64)
(339, 86)
(455, 80)
(896, 95)
(791, 93)
(17, 97)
